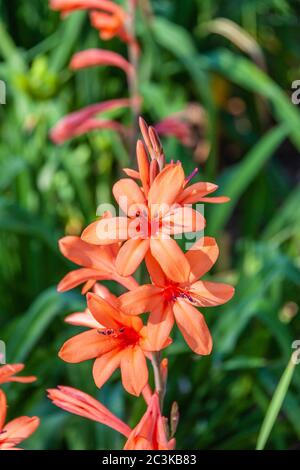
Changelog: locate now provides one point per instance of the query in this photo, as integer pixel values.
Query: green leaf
(29, 329)
(70, 28)
(236, 180)
(17, 220)
(286, 221)
(275, 406)
(244, 73)
(173, 37)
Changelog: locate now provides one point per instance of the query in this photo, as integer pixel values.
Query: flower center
(173, 291)
(145, 226)
(128, 336)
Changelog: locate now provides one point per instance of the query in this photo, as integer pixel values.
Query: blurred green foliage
(47, 191)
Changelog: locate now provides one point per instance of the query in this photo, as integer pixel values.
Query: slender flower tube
(76, 123)
(17, 430)
(168, 301)
(98, 57)
(8, 374)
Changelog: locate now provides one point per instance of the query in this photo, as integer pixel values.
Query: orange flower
(86, 318)
(119, 341)
(188, 194)
(110, 24)
(108, 17)
(149, 434)
(158, 209)
(7, 374)
(99, 263)
(167, 300)
(16, 430)
(151, 219)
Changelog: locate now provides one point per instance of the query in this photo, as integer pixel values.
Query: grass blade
(275, 406)
(237, 179)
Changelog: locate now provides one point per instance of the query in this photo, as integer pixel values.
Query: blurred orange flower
(79, 122)
(97, 57)
(106, 16)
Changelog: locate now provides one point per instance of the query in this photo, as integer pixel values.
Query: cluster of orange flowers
(107, 250)
(14, 432)
(157, 202)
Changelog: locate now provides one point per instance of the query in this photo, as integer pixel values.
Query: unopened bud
(154, 170)
(145, 133)
(174, 418)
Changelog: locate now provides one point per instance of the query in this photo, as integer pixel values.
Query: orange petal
(159, 326)
(193, 327)
(134, 370)
(131, 255)
(215, 200)
(105, 365)
(3, 408)
(83, 319)
(209, 294)
(105, 293)
(202, 256)
(171, 259)
(166, 187)
(79, 276)
(127, 194)
(85, 254)
(103, 311)
(140, 300)
(157, 275)
(8, 371)
(24, 380)
(87, 345)
(132, 173)
(20, 428)
(106, 231)
(195, 192)
(182, 220)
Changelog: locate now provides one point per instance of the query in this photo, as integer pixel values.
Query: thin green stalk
(275, 405)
